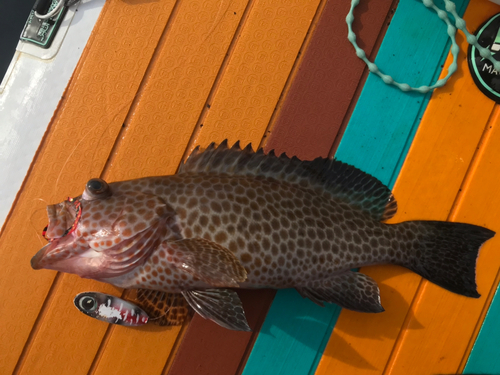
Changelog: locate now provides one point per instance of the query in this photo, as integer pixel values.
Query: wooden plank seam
(220, 74)
(423, 286)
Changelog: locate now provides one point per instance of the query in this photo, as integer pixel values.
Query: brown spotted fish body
(234, 218)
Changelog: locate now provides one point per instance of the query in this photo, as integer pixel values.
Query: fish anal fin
(207, 261)
(222, 306)
(164, 309)
(344, 182)
(351, 290)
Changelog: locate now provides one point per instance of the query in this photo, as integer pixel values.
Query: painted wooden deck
(158, 78)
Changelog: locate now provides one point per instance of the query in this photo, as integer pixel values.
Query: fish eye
(88, 304)
(96, 189)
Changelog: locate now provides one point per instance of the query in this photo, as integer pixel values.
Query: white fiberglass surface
(33, 88)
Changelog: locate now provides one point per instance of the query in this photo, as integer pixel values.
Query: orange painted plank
(153, 343)
(76, 146)
(155, 138)
(426, 189)
(259, 67)
(450, 321)
(176, 89)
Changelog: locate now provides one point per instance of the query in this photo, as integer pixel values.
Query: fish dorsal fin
(343, 181)
(164, 309)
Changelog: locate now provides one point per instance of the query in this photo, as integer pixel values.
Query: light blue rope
(452, 30)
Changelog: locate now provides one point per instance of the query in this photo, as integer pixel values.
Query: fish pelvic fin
(445, 253)
(351, 290)
(343, 181)
(222, 306)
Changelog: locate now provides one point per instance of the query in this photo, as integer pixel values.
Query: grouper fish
(233, 218)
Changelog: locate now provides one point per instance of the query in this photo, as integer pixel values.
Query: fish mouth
(63, 218)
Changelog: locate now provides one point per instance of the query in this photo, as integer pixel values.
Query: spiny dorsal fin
(164, 309)
(343, 181)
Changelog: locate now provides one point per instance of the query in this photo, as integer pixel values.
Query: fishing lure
(110, 309)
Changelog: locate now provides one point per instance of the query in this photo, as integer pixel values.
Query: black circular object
(88, 304)
(482, 70)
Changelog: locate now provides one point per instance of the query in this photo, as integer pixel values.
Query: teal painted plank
(385, 120)
(485, 355)
(301, 326)
(376, 140)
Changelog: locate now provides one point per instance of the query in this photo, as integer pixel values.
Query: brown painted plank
(210, 349)
(324, 84)
(314, 104)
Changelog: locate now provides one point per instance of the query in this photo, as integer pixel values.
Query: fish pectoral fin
(206, 260)
(351, 290)
(164, 309)
(223, 306)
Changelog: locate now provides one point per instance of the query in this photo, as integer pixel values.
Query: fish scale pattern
(141, 23)
(284, 232)
(77, 151)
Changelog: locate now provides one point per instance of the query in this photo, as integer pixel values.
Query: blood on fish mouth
(77, 206)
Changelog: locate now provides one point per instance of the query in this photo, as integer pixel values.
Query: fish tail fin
(446, 253)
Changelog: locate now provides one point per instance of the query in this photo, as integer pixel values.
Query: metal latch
(43, 22)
